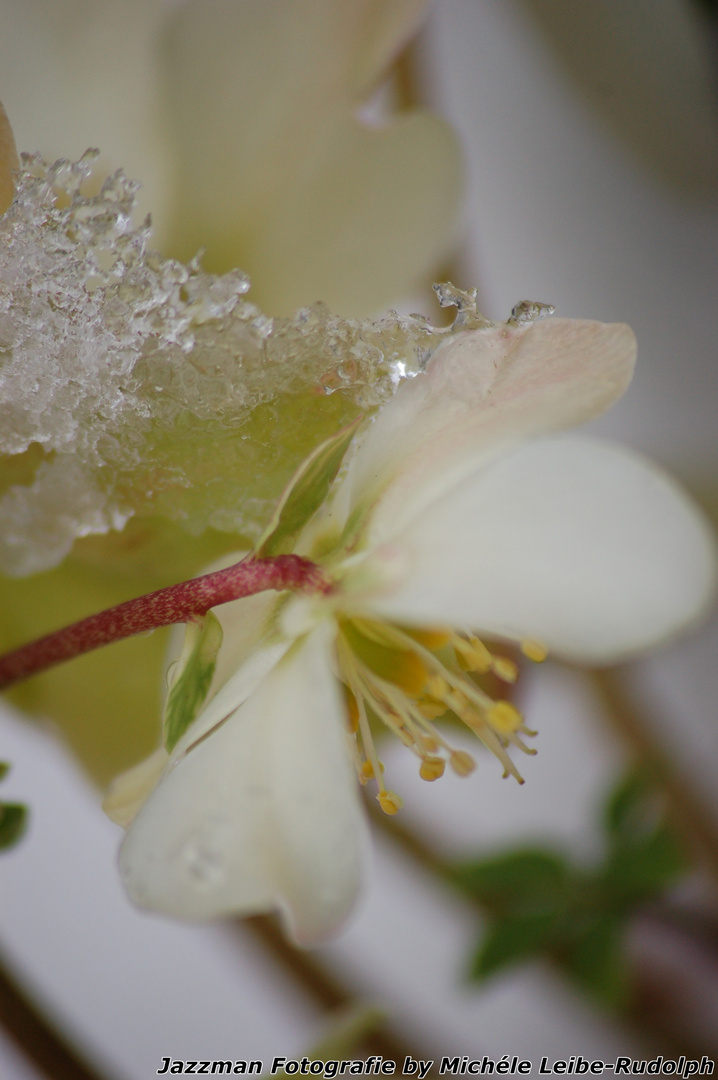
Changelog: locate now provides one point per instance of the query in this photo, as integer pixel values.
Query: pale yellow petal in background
(81, 73)
(277, 173)
(8, 161)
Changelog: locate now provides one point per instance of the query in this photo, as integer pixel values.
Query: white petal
(582, 545)
(245, 657)
(276, 172)
(234, 693)
(262, 814)
(484, 390)
(129, 791)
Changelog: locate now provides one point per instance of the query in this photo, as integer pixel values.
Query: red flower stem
(174, 604)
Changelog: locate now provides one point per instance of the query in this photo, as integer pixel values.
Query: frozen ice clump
(133, 385)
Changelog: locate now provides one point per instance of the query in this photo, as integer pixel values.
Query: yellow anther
(462, 763)
(389, 801)
(504, 717)
(367, 770)
(472, 655)
(534, 650)
(431, 709)
(430, 744)
(436, 687)
(506, 669)
(432, 768)
(458, 702)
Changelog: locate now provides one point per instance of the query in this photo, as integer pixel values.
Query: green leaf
(596, 960)
(13, 821)
(632, 808)
(512, 939)
(643, 869)
(520, 881)
(305, 493)
(644, 856)
(4, 769)
(194, 671)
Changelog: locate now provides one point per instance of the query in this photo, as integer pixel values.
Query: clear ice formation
(131, 384)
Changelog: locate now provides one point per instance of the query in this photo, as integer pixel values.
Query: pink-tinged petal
(483, 390)
(278, 174)
(581, 545)
(262, 814)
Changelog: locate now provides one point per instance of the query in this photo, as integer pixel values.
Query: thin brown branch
(36, 1039)
(655, 1031)
(326, 989)
(634, 727)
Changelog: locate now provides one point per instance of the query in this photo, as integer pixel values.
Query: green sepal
(13, 821)
(191, 682)
(305, 493)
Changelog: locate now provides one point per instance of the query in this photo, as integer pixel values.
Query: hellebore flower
(456, 516)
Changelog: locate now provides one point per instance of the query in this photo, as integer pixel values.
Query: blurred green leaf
(13, 821)
(519, 881)
(625, 806)
(512, 939)
(4, 769)
(597, 962)
(537, 905)
(636, 873)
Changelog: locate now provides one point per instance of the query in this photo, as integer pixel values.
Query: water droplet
(529, 311)
(205, 854)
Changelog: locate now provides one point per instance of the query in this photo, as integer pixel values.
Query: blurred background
(589, 136)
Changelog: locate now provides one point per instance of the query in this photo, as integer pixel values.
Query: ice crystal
(131, 384)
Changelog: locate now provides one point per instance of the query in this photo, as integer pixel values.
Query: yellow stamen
(367, 770)
(504, 717)
(462, 763)
(352, 711)
(506, 669)
(534, 650)
(472, 655)
(433, 639)
(403, 667)
(432, 768)
(390, 802)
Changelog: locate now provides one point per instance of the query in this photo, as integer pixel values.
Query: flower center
(407, 678)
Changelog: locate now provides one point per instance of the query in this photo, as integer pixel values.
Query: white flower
(447, 522)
